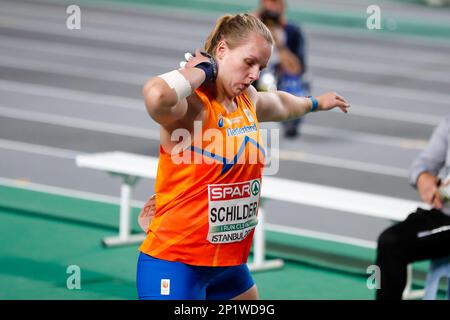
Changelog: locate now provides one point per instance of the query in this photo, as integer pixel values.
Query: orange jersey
(206, 207)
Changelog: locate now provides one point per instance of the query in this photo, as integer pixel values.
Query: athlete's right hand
(203, 61)
(191, 61)
(147, 213)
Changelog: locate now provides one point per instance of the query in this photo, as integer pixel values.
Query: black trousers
(406, 242)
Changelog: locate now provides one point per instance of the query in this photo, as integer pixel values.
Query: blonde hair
(235, 30)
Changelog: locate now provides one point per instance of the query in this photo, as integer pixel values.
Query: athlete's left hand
(147, 213)
(331, 100)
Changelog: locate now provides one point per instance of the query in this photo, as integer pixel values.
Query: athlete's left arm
(281, 106)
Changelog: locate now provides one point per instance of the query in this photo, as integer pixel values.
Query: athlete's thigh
(250, 294)
(166, 280)
(230, 283)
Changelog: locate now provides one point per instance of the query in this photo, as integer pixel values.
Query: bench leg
(125, 236)
(409, 293)
(259, 248)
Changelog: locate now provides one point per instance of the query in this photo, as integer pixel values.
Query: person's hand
(427, 185)
(147, 213)
(332, 100)
(191, 61)
(203, 61)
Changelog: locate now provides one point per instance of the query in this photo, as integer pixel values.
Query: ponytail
(235, 30)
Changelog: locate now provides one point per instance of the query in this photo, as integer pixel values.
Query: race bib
(232, 210)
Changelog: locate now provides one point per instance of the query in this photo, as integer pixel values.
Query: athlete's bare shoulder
(252, 94)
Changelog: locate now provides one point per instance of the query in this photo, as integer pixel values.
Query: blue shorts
(158, 279)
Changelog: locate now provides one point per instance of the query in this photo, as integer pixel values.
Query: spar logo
(255, 187)
(230, 191)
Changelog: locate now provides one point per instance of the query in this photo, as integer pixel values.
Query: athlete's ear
(221, 50)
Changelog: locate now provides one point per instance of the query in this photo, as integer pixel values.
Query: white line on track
(382, 69)
(72, 95)
(38, 149)
(378, 90)
(363, 137)
(96, 18)
(68, 69)
(71, 50)
(371, 51)
(71, 193)
(78, 123)
(354, 165)
(115, 36)
(320, 235)
(397, 115)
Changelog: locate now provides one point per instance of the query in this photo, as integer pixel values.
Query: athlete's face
(240, 66)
